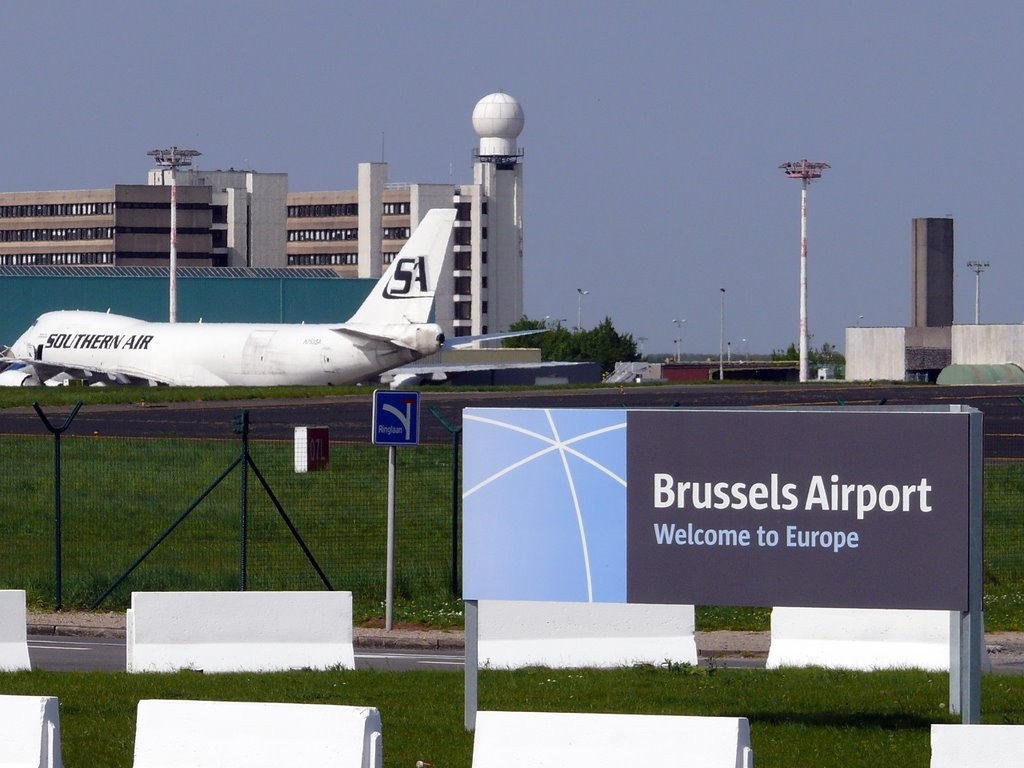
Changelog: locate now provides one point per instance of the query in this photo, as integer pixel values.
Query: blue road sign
(396, 417)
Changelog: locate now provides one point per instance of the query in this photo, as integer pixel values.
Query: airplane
(388, 330)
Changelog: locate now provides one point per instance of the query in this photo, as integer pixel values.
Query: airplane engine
(424, 339)
(18, 376)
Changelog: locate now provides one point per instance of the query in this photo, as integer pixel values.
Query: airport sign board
(855, 508)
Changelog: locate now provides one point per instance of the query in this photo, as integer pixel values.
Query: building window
(396, 233)
(322, 210)
(56, 259)
(56, 209)
(322, 235)
(323, 259)
(57, 234)
(396, 209)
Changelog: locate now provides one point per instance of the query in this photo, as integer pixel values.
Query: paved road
(107, 654)
(348, 416)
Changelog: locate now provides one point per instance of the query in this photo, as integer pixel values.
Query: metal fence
(84, 542)
(119, 496)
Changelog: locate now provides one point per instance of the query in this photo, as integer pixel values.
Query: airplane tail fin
(405, 293)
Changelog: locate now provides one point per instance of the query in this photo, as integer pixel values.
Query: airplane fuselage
(218, 354)
(389, 329)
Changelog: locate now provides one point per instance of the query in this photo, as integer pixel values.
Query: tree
(603, 344)
(607, 346)
(827, 354)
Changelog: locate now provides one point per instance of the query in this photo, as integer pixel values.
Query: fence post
(456, 433)
(241, 427)
(57, 535)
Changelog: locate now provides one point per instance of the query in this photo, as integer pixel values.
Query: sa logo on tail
(409, 273)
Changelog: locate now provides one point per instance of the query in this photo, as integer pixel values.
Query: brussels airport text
(820, 495)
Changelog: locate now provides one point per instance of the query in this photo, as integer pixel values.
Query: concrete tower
(933, 273)
(498, 242)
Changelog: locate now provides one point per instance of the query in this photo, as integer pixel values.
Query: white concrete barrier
(231, 734)
(515, 634)
(239, 631)
(30, 732)
(13, 632)
(587, 740)
(858, 638)
(977, 746)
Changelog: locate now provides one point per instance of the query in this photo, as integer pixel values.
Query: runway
(349, 416)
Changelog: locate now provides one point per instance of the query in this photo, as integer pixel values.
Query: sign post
(396, 421)
(816, 507)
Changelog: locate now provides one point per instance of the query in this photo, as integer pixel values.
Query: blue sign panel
(544, 504)
(826, 508)
(396, 417)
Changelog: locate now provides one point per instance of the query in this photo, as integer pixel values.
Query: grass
(798, 717)
(120, 495)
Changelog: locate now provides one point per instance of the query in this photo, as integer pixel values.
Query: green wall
(214, 299)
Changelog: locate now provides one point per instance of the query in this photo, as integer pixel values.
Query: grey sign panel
(859, 509)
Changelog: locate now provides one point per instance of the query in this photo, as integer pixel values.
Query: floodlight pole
(173, 158)
(806, 171)
(721, 338)
(978, 267)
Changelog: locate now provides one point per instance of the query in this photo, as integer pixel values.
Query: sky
(653, 138)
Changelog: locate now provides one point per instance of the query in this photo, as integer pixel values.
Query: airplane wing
(461, 342)
(55, 374)
(419, 338)
(368, 335)
(417, 374)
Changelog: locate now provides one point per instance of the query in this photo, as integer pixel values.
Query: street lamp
(721, 340)
(580, 293)
(679, 332)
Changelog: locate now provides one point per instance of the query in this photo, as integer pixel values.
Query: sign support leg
(472, 662)
(389, 603)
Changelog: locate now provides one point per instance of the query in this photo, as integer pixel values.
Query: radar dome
(498, 119)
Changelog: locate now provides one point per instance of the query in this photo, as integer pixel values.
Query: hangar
(212, 294)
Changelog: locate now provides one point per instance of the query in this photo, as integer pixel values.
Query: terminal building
(244, 220)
